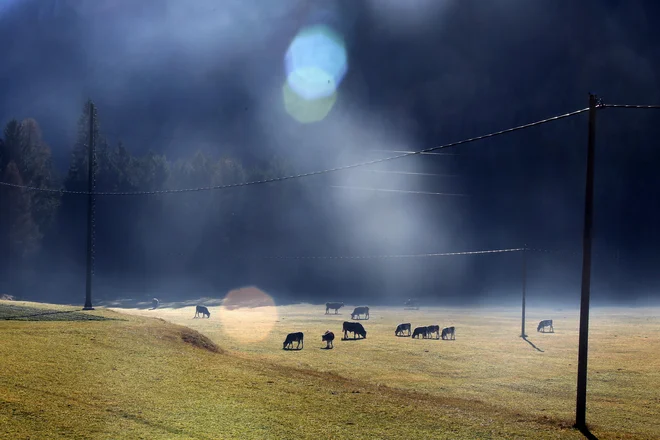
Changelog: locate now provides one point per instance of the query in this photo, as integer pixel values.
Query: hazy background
(199, 85)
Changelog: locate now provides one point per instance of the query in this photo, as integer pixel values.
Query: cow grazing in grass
(328, 337)
(401, 328)
(449, 333)
(419, 331)
(355, 328)
(543, 324)
(433, 329)
(294, 337)
(201, 310)
(360, 311)
(333, 306)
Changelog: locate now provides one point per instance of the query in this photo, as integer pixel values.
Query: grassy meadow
(133, 376)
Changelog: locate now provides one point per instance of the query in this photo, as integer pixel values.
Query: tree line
(186, 233)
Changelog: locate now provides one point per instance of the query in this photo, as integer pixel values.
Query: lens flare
(5, 5)
(247, 315)
(316, 62)
(306, 111)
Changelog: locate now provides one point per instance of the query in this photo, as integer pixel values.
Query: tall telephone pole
(524, 289)
(90, 208)
(581, 406)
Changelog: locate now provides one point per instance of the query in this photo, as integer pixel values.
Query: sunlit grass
(488, 361)
(139, 378)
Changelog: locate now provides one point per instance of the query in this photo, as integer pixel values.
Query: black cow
(294, 337)
(201, 310)
(449, 333)
(334, 306)
(419, 331)
(360, 311)
(402, 328)
(328, 337)
(543, 324)
(355, 328)
(433, 329)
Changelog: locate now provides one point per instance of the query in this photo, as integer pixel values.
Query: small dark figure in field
(201, 310)
(401, 328)
(449, 333)
(294, 337)
(543, 324)
(360, 311)
(411, 304)
(155, 303)
(419, 331)
(334, 306)
(328, 337)
(355, 328)
(431, 329)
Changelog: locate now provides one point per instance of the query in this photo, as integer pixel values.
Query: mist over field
(218, 93)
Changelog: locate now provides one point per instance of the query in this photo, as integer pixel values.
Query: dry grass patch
(139, 378)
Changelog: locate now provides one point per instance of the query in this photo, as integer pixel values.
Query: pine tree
(36, 169)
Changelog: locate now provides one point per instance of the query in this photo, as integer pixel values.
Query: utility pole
(524, 289)
(581, 407)
(90, 209)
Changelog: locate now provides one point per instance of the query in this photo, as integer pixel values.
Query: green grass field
(139, 377)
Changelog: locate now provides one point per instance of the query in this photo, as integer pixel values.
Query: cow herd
(359, 332)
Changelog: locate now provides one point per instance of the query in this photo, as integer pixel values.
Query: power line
(411, 173)
(360, 188)
(646, 107)
(369, 257)
(412, 152)
(312, 173)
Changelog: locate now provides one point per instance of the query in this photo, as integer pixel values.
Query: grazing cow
(155, 303)
(360, 311)
(294, 337)
(433, 329)
(328, 337)
(334, 306)
(449, 333)
(419, 331)
(355, 328)
(201, 310)
(543, 324)
(402, 328)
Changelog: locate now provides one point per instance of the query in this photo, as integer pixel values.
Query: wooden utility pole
(581, 407)
(524, 289)
(90, 209)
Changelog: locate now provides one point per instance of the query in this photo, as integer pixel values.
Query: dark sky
(175, 76)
